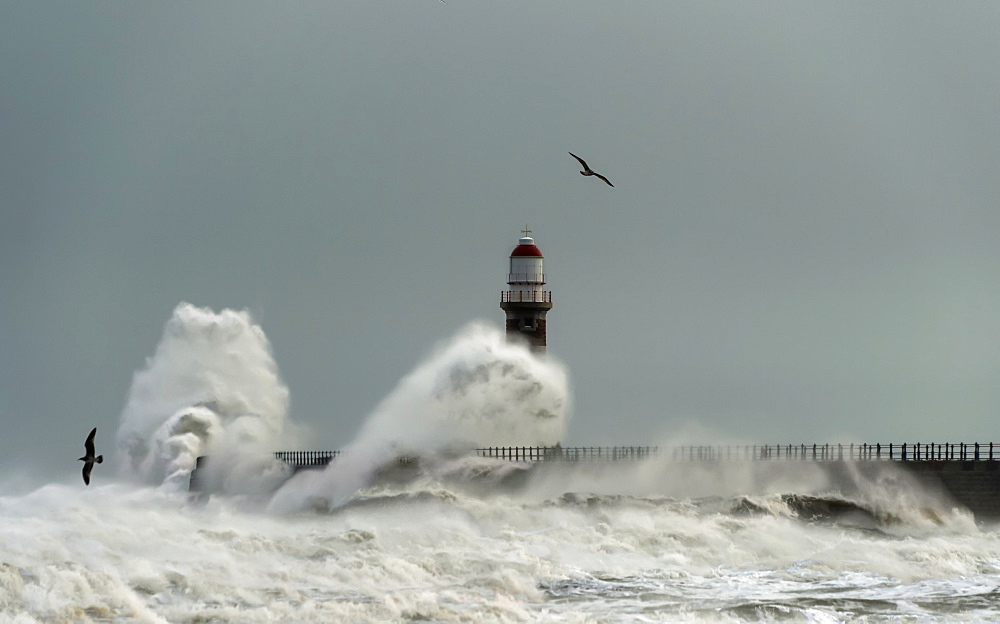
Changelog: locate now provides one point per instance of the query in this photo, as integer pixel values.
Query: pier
(905, 452)
(967, 473)
(959, 451)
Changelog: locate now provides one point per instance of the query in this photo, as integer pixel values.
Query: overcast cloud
(801, 245)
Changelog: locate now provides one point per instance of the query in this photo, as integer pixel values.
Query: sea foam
(212, 386)
(474, 389)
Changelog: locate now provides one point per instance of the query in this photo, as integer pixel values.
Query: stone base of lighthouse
(526, 322)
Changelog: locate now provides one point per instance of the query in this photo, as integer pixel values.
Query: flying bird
(587, 170)
(89, 460)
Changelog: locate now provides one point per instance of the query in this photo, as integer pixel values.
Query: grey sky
(801, 245)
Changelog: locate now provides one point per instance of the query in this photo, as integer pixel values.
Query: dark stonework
(972, 484)
(535, 337)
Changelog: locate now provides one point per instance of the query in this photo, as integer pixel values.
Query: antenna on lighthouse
(526, 302)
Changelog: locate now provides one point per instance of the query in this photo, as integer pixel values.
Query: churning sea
(459, 543)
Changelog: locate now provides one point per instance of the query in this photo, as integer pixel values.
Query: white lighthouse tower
(526, 302)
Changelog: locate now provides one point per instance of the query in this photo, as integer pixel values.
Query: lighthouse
(526, 301)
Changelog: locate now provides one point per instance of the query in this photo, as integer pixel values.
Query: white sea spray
(474, 389)
(212, 386)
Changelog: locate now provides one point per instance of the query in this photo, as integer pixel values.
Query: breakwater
(965, 474)
(960, 451)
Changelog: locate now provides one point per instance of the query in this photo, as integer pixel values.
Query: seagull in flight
(89, 460)
(588, 172)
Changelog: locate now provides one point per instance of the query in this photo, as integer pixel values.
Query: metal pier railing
(916, 451)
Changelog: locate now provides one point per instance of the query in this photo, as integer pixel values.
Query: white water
(211, 387)
(430, 552)
(474, 389)
(463, 539)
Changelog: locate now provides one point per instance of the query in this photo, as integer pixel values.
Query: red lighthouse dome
(526, 247)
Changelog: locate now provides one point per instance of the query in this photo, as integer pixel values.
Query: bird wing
(605, 179)
(89, 444)
(581, 161)
(87, 467)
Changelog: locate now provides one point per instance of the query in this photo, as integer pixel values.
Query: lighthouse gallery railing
(531, 296)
